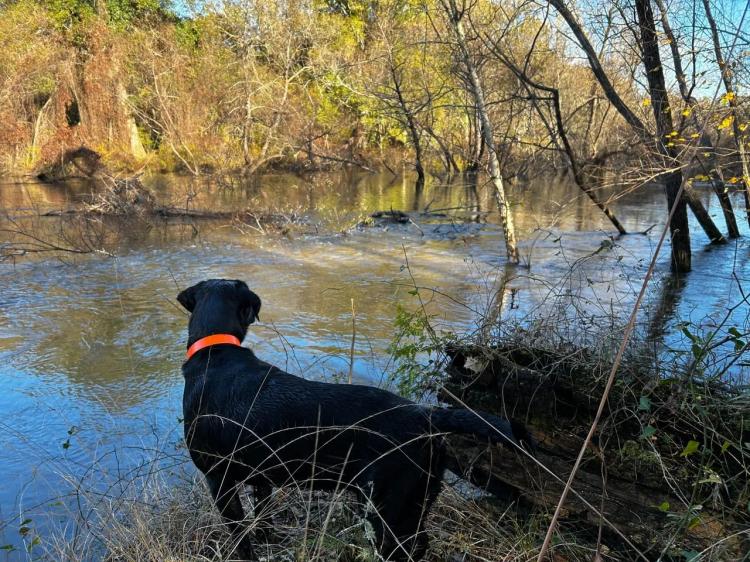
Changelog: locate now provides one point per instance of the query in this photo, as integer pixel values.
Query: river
(91, 346)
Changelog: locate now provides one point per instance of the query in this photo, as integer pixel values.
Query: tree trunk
(506, 216)
(731, 95)
(555, 391)
(692, 104)
(411, 123)
(477, 147)
(678, 226)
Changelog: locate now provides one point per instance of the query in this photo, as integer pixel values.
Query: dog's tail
(481, 425)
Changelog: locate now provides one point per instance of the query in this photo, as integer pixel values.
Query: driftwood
(642, 501)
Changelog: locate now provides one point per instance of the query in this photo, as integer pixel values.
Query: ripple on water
(95, 347)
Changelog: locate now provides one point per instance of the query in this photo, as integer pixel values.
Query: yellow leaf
(734, 180)
(646, 102)
(726, 98)
(726, 122)
(702, 177)
(681, 139)
(706, 154)
(742, 127)
(687, 111)
(670, 144)
(695, 135)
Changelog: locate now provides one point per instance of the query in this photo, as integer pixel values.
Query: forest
(536, 208)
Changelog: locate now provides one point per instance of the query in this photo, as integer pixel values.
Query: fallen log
(651, 480)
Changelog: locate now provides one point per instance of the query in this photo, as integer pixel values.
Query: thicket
(254, 85)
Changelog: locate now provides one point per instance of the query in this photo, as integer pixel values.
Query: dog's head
(219, 306)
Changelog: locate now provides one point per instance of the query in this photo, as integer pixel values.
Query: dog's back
(247, 417)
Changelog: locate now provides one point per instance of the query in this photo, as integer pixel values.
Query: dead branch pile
(667, 472)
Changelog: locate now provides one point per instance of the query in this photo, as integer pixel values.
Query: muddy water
(90, 347)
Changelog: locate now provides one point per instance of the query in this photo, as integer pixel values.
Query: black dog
(247, 422)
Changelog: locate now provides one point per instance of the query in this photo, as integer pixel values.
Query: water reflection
(97, 344)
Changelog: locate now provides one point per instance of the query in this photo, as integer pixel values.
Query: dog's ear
(187, 297)
(249, 303)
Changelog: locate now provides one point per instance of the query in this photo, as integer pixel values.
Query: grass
(175, 520)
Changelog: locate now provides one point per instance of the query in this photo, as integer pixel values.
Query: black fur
(247, 422)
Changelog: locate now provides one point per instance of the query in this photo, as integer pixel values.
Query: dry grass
(176, 521)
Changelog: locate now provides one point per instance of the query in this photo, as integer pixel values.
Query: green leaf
(688, 334)
(23, 531)
(725, 446)
(644, 404)
(711, 478)
(26, 521)
(8, 547)
(690, 448)
(697, 350)
(648, 432)
(735, 332)
(691, 555)
(663, 506)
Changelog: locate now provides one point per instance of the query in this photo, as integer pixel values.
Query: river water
(91, 346)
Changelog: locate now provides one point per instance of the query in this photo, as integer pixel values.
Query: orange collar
(208, 341)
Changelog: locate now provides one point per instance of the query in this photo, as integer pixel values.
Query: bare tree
(692, 111)
(455, 20)
(557, 131)
(671, 176)
(731, 97)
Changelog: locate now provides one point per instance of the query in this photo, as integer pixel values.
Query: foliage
(256, 85)
(418, 353)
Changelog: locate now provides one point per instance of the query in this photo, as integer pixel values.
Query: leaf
(688, 334)
(8, 547)
(648, 432)
(663, 506)
(644, 404)
(691, 555)
(726, 98)
(726, 122)
(711, 478)
(690, 448)
(725, 446)
(23, 531)
(646, 102)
